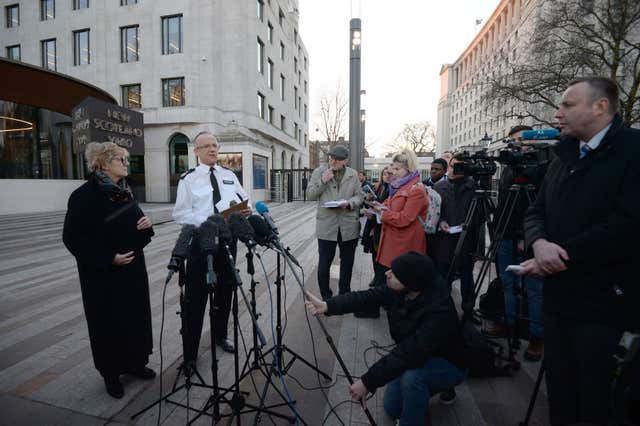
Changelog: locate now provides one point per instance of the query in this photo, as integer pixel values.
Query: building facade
(237, 68)
(465, 119)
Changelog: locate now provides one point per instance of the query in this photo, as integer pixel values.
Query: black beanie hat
(413, 270)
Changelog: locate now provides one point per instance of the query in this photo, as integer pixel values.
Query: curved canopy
(35, 86)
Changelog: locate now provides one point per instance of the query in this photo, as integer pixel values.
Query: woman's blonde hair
(98, 154)
(407, 158)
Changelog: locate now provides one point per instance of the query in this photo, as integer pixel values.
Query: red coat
(401, 229)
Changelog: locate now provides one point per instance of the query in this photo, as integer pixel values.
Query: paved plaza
(46, 370)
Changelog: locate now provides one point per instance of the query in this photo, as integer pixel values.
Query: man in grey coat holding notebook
(337, 189)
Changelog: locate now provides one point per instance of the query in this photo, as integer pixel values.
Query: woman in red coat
(401, 230)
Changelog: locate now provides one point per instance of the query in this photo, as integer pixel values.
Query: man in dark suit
(584, 229)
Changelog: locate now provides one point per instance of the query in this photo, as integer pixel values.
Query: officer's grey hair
(204, 132)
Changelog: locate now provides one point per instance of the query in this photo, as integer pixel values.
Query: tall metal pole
(363, 122)
(355, 142)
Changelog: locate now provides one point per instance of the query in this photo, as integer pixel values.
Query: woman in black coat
(106, 231)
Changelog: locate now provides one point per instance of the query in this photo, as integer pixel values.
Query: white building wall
(463, 115)
(218, 63)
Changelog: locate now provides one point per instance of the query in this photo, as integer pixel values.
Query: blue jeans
(533, 286)
(407, 397)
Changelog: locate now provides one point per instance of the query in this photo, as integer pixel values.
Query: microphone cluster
(216, 232)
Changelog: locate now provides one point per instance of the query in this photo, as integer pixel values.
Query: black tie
(216, 190)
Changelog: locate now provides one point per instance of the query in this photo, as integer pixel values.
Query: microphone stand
(285, 253)
(238, 401)
(186, 369)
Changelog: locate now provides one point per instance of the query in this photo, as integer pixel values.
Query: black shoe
(226, 345)
(114, 387)
(367, 314)
(448, 397)
(142, 373)
(372, 283)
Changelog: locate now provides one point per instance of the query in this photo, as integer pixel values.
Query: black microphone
(266, 237)
(263, 210)
(181, 250)
(224, 232)
(242, 230)
(208, 233)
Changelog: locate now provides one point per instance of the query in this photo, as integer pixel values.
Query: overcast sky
(404, 45)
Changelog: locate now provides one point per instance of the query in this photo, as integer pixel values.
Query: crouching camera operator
(584, 228)
(427, 358)
(525, 166)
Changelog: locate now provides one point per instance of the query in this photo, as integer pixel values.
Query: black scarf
(119, 193)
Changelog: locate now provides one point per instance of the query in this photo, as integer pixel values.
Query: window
(305, 87)
(295, 65)
(295, 36)
(270, 32)
(132, 96)
(270, 114)
(298, 106)
(172, 92)
(261, 105)
(282, 51)
(295, 97)
(129, 44)
(305, 139)
(48, 54)
(282, 82)
(260, 9)
(260, 56)
(270, 73)
(128, 2)
(12, 14)
(295, 130)
(171, 34)
(47, 9)
(283, 122)
(306, 116)
(80, 4)
(13, 52)
(280, 16)
(81, 52)
(305, 62)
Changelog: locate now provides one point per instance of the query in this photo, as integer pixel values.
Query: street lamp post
(355, 140)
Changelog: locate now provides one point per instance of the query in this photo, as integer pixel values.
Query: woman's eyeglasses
(123, 160)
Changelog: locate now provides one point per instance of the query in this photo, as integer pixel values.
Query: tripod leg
(534, 395)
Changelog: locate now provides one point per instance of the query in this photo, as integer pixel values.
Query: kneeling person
(427, 358)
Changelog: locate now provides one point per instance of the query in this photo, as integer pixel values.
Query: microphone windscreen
(182, 248)
(262, 230)
(261, 207)
(240, 228)
(208, 237)
(223, 229)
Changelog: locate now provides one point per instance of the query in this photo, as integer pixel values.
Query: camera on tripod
(528, 162)
(478, 165)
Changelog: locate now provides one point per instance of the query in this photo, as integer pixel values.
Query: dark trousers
(197, 294)
(326, 253)
(465, 272)
(578, 365)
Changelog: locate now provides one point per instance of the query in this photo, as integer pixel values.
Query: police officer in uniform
(203, 191)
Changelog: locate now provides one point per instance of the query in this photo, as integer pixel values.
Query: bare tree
(418, 137)
(570, 39)
(331, 120)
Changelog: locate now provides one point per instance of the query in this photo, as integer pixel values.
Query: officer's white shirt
(194, 202)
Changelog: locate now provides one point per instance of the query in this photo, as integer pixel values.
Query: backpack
(430, 225)
(482, 356)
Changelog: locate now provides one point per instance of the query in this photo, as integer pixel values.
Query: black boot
(114, 387)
